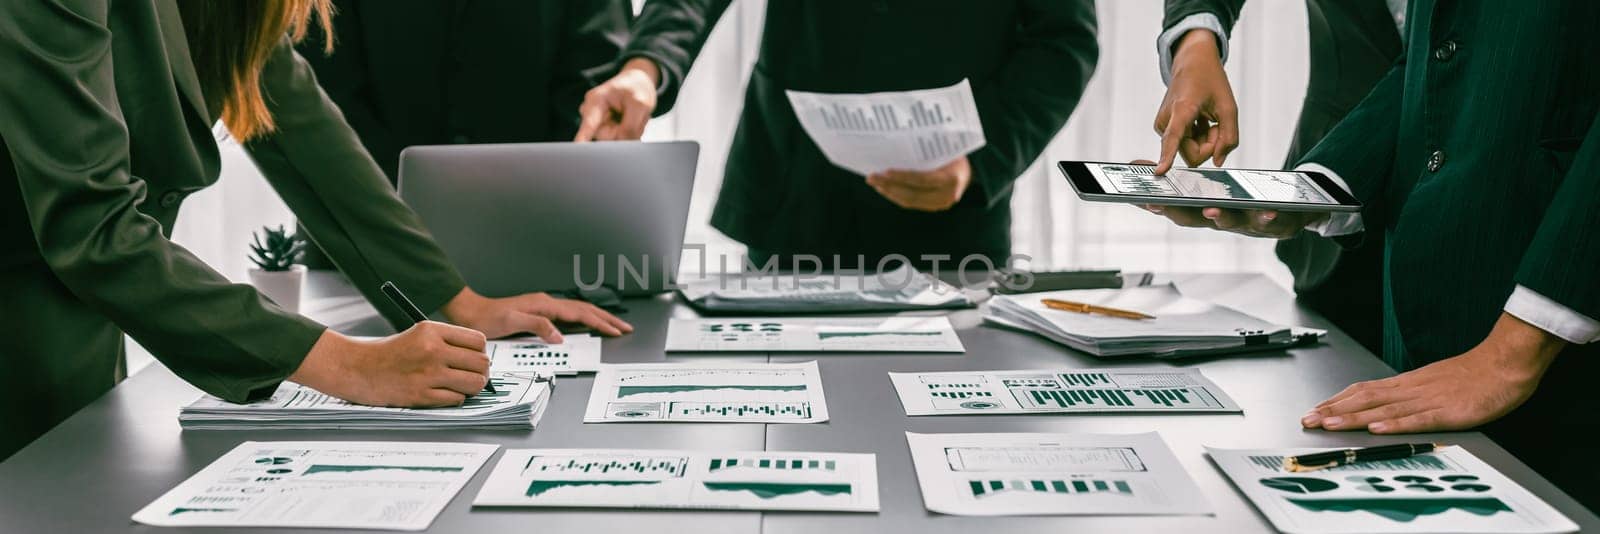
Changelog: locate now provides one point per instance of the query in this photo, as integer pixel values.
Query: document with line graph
(707, 392)
(1060, 390)
(1052, 474)
(814, 334)
(641, 478)
(322, 484)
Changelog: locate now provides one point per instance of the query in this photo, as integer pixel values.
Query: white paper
(813, 334)
(903, 288)
(575, 354)
(1052, 474)
(868, 133)
(1448, 490)
(518, 402)
(707, 392)
(1060, 390)
(322, 484)
(735, 480)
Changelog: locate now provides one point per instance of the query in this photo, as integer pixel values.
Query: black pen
(415, 314)
(1324, 460)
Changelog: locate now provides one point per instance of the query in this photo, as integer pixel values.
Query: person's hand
(1255, 223)
(530, 312)
(618, 109)
(935, 190)
(430, 364)
(1198, 96)
(1458, 393)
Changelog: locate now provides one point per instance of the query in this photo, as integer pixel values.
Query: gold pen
(1080, 307)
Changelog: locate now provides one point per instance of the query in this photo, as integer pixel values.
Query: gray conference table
(121, 452)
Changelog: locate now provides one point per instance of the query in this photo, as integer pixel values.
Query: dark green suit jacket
(1028, 61)
(1479, 157)
(431, 72)
(104, 132)
(1353, 43)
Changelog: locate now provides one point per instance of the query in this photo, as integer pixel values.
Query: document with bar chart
(1052, 474)
(814, 334)
(868, 133)
(322, 484)
(641, 478)
(578, 353)
(1448, 490)
(1060, 390)
(707, 392)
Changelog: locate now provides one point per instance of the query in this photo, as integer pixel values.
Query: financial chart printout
(579, 353)
(1236, 184)
(1060, 390)
(811, 334)
(736, 480)
(730, 392)
(1052, 474)
(868, 133)
(1448, 490)
(322, 484)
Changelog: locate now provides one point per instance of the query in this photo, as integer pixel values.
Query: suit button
(1436, 161)
(1445, 51)
(171, 199)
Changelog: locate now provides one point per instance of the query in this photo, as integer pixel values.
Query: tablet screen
(1270, 186)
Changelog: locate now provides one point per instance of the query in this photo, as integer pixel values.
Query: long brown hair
(230, 41)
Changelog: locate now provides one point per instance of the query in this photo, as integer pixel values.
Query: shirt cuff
(1551, 316)
(1337, 223)
(1197, 21)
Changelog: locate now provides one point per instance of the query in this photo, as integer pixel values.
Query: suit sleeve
(1361, 148)
(671, 33)
(1226, 11)
(344, 76)
(596, 31)
(63, 124)
(1564, 256)
(1030, 97)
(317, 165)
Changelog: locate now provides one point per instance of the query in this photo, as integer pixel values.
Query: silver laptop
(516, 218)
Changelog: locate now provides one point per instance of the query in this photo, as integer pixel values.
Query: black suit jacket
(1028, 61)
(427, 72)
(1353, 43)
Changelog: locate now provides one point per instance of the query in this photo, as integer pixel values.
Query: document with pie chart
(1052, 474)
(723, 480)
(1448, 490)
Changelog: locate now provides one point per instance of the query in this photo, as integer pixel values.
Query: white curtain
(1267, 65)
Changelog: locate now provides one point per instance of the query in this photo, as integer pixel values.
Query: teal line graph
(773, 490)
(539, 487)
(826, 335)
(1406, 510)
(625, 391)
(325, 468)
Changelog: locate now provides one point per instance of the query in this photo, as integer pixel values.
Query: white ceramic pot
(282, 287)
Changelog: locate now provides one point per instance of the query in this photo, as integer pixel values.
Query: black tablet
(1224, 188)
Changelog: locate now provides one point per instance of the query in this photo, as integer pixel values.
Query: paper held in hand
(869, 133)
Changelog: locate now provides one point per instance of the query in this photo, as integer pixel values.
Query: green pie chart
(1299, 484)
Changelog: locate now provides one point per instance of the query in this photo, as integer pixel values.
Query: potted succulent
(276, 275)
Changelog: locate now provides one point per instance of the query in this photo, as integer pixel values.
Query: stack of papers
(518, 403)
(1182, 326)
(901, 289)
(322, 484)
